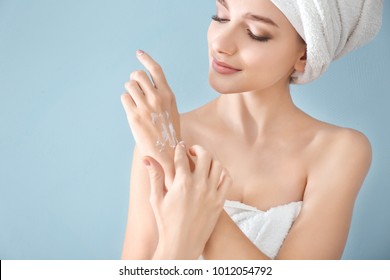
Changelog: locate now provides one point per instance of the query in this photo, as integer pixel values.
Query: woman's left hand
(145, 99)
(186, 214)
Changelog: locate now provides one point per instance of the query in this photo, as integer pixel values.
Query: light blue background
(65, 146)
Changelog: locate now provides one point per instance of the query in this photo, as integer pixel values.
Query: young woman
(256, 177)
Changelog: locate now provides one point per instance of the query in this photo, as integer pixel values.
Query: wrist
(164, 253)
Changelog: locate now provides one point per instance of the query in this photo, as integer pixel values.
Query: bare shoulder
(338, 164)
(348, 138)
(340, 156)
(330, 141)
(355, 143)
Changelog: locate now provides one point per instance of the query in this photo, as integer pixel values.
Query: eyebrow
(262, 19)
(252, 16)
(223, 3)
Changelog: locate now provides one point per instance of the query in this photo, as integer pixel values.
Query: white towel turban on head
(331, 29)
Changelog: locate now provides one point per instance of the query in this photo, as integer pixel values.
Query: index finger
(182, 165)
(153, 68)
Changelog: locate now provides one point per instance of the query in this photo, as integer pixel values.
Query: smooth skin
(274, 152)
(194, 198)
(190, 190)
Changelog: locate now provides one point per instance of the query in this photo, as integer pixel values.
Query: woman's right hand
(152, 113)
(186, 214)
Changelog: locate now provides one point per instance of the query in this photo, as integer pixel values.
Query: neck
(254, 114)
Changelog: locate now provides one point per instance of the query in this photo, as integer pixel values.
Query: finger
(202, 161)
(224, 185)
(156, 177)
(128, 104)
(215, 173)
(154, 69)
(135, 92)
(182, 165)
(143, 81)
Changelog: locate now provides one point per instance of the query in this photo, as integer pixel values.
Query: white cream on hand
(167, 135)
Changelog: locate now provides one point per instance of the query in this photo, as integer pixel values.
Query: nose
(222, 40)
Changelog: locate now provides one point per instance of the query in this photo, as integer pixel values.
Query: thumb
(156, 178)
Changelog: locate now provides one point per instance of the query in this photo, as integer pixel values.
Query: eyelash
(218, 19)
(253, 36)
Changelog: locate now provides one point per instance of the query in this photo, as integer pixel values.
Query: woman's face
(252, 47)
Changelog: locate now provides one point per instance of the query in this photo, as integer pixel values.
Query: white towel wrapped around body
(266, 229)
(331, 29)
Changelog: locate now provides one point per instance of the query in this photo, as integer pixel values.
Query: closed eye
(218, 19)
(258, 38)
(250, 33)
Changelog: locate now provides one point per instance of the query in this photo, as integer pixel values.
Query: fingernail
(146, 162)
(181, 143)
(140, 52)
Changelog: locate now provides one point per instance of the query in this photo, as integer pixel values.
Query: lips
(223, 68)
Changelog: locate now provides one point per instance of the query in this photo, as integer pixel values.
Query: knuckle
(205, 154)
(228, 181)
(156, 68)
(198, 149)
(169, 97)
(124, 96)
(225, 173)
(217, 165)
(135, 75)
(135, 119)
(131, 85)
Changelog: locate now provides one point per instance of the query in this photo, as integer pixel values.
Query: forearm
(228, 242)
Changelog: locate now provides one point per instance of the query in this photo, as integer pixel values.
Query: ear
(301, 62)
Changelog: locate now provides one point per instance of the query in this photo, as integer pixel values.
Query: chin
(223, 89)
(223, 86)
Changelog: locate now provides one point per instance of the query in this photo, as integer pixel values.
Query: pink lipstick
(223, 68)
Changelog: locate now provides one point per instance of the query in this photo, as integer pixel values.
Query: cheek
(270, 61)
(260, 62)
